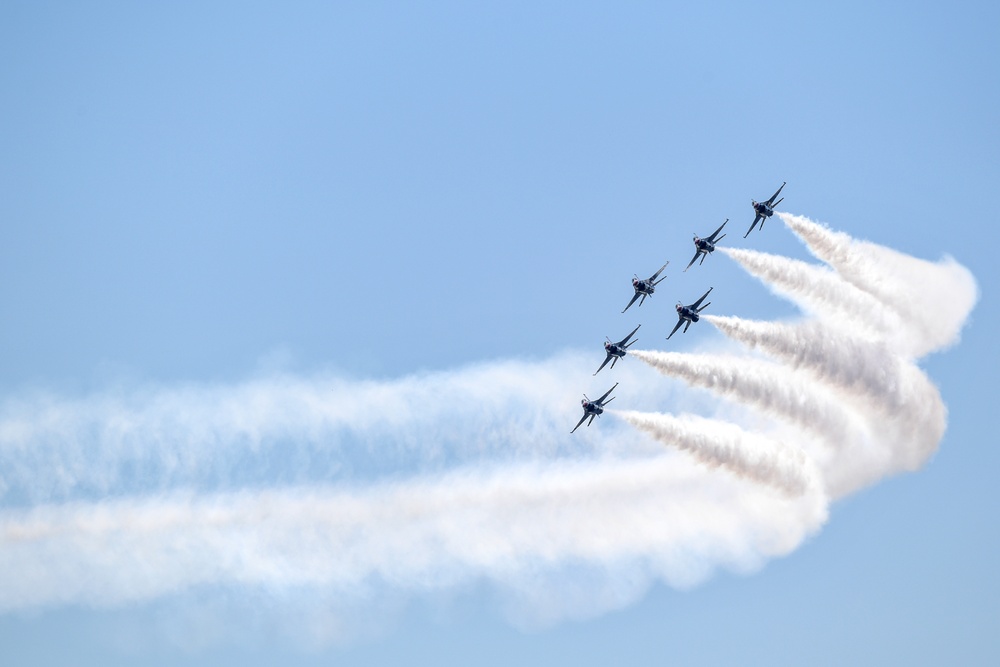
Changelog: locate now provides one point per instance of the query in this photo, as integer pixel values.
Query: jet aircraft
(705, 246)
(593, 408)
(646, 287)
(688, 314)
(617, 350)
(764, 209)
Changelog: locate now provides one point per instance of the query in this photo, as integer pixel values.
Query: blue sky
(201, 197)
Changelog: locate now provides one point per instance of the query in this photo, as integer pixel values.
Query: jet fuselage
(642, 286)
(763, 209)
(615, 349)
(689, 314)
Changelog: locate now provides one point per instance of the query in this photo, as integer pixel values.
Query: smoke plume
(336, 494)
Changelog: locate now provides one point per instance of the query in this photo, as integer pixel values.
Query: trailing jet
(764, 209)
(617, 350)
(593, 408)
(646, 287)
(705, 246)
(688, 314)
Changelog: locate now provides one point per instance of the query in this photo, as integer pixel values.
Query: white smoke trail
(748, 455)
(935, 298)
(773, 389)
(904, 414)
(848, 374)
(870, 371)
(820, 292)
(439, 481)
(655, 516)
(475, 479)
(296, 429)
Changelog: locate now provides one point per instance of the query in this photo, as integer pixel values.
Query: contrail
(718, 444)
(773, 389)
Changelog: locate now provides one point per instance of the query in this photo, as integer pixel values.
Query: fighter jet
(617, 350)
(593, 408)
(688, 314)
(764, 209)
(705, 246)
(646, 287)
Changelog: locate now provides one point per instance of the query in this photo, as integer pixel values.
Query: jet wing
(582, 419)
(600, 401)
(625, 340)
(770, 202)
(697, 252)
(634, 297)
(680, 321)
(694, 306)
(712, 239)
(653, 277)
(755, 221)
(609, 358)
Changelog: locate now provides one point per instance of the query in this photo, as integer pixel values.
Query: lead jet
(593, 408)
(764, 209)
(617, 350)
(646, 287)
(705, 246)
(688, 314)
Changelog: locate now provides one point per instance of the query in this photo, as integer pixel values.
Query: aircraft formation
(686, 315)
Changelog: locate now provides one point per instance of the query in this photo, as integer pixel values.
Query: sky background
(206, 193)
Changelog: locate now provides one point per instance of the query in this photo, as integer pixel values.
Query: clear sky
(394, 204)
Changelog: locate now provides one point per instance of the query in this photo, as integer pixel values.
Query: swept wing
(712, 239)
(694, 306)
(770, 202)
(623, 341)
(757, 219)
